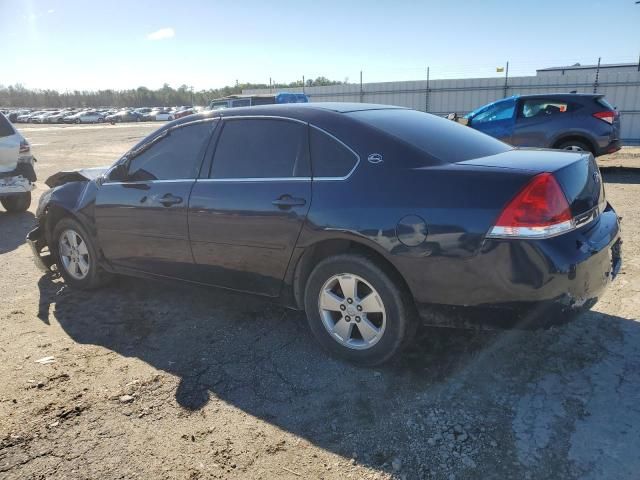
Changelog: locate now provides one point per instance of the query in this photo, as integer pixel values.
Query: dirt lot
(155, 380)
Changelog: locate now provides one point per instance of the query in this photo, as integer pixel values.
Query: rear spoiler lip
(525, 159)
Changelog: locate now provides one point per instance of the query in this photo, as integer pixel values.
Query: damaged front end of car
(72, 194)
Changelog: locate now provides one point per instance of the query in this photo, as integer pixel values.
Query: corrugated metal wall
(463, 95)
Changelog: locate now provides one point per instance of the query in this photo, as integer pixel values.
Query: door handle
(287, 201)
(168, 199)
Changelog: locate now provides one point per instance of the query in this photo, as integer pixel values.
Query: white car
(26, 117)
(17, 175)
(42, 118)
(85, 117)
(164, 116)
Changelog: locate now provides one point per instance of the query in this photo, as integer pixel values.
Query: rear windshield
(445, 140)
(5, 127)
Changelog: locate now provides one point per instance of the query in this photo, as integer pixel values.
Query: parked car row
(98, 115)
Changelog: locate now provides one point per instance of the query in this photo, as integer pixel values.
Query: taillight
(24, 146)
(539, 210)
(608, 115)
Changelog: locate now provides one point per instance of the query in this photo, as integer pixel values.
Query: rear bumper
(15, 186)
(609, 147)
(528, 283)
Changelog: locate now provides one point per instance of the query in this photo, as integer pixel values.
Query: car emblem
(375, 158)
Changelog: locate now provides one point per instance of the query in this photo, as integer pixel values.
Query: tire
(17, 203)
(574, 145)
(83, 251)
(392, 313)
(77, 120)
(100, 120)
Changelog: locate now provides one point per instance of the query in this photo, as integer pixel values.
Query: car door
(245, 218)
(141, 219)
(537, 121)
(496, 119)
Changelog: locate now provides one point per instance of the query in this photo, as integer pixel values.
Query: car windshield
(446, 141)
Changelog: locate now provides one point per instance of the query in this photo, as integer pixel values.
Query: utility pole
(506, 80)
(303, 84)
(269, 84)
(595, 83)
(361, 91)
(426, 101)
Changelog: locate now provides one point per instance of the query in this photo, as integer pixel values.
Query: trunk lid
(576, 172)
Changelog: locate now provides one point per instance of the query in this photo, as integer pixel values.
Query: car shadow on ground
(621, 175)
(262, 359)
(13, 229)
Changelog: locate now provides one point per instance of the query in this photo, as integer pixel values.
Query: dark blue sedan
(368, 217)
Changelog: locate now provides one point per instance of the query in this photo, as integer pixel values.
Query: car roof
(299, 111)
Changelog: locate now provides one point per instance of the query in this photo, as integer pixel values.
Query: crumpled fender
(80, 175)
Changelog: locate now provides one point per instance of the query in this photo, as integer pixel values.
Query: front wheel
(76, 256)
(17, 203)
(358, 310)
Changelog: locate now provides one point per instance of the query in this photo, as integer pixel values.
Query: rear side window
(261, 148)
(603, 102)
(174, 157)
(444, 140)
(329, 157)
(5, 127)
(541, 107)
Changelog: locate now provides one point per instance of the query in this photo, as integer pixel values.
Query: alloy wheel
(352, 311)
(74, 254)
(574, 148)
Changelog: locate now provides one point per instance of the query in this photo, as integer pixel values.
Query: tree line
(19, 96)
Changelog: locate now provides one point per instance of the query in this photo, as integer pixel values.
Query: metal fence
(440, 97)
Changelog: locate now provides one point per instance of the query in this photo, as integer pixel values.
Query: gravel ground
(157, 380)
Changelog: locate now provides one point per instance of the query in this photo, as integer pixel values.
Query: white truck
(17, 175)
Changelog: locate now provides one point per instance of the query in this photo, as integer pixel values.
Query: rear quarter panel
(457, 203)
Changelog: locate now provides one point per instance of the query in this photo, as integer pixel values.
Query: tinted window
(605, 103)
(541, 107)
(245, 102)
(176, 156)
(329, 157)
(261, 149)
(442, 139)
(499, 111)
(5, 127)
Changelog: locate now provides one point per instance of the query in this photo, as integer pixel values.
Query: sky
(89, 45)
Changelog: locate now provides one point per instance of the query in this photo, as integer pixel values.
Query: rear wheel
(76, 256)
(357, 310)
(17, 203)
(574, 146)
